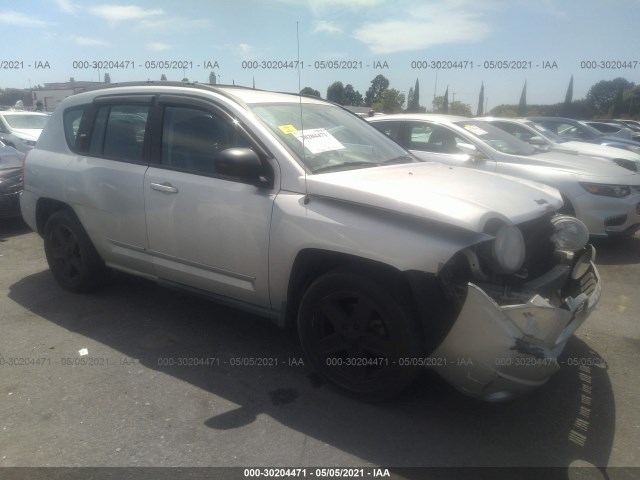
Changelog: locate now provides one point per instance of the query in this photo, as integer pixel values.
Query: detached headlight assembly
(509, 248)
(570, 233)
(617, 191)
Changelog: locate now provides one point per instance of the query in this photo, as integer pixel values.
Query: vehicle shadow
(12, 227)
(617, 250)
(570, 418)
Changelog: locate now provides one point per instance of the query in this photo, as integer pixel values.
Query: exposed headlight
(509, 248)
(617, 191)
(570, 233)
(633, 148)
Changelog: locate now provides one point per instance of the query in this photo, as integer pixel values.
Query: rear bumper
(495, 353)
(28, 203)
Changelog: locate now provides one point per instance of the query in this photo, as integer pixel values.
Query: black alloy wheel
(359, 335)
(72, 258)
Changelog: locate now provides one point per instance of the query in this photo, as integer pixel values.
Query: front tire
(72, 258)
(357, 332)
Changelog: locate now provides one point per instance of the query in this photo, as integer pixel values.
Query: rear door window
(119, 132)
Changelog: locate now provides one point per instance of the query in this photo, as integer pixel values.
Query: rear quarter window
(73, 121)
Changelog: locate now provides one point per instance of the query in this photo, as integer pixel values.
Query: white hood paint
(464, 197)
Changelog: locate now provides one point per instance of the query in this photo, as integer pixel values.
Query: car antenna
(306, 193)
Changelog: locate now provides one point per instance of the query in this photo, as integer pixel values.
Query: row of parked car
(299, 211)
(599, 184)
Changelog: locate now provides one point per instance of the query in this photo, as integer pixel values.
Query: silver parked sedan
(540, 137)
(605, 197)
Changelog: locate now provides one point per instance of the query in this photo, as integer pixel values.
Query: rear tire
(72, 258)
(357, 332)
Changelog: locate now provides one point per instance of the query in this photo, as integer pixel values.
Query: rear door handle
(165, 187)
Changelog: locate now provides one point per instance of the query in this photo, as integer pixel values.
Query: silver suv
(298, 210)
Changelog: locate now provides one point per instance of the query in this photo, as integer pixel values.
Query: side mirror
(537, 141)
(471, 150)
(239, 162)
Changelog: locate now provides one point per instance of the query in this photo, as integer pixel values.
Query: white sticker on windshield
(318, 140)
(475, 129)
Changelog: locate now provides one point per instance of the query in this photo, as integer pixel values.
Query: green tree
(618, 105)
(568, 99)
(107, 78)
(454, 108)
(459, 108)
(335, 93)
(310, 91)
(9, 96)
(445, 101)
(352, 96)
(632, 101)
(522, 106)
(413, 99)
(212, 78)
(480, 110)
(163, 78)
(602, 95)
(390, 101)
(508, 111)
(378, 85)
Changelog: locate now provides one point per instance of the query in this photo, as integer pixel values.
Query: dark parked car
(570, 129)
(614, 129)
(10, 181)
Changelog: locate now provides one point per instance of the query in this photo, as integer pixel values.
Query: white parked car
(298, 210)
(20, 129)
(604, 196)
(540, 137)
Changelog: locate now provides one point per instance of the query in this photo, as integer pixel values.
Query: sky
(441, 43)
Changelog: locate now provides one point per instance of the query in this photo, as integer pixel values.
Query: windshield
(497, 138)
(592, 131)
(546, 133)
(333, 138)
(26, 121)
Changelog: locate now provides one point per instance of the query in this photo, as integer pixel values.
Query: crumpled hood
(463, 197)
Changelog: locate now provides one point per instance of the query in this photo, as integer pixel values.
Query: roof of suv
(238, 93)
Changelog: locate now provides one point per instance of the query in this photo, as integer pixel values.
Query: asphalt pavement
(139, 375)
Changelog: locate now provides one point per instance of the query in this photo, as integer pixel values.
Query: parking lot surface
(138, 375)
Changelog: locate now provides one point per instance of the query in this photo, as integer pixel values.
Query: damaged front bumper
(495, 352)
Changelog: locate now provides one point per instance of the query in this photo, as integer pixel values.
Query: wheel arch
(421, 290)
(47, 207)
(311, 263)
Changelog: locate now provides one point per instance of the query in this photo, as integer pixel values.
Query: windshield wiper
(400, 159)
(346, 166)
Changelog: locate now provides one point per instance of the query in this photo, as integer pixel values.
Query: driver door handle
(165, 187)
